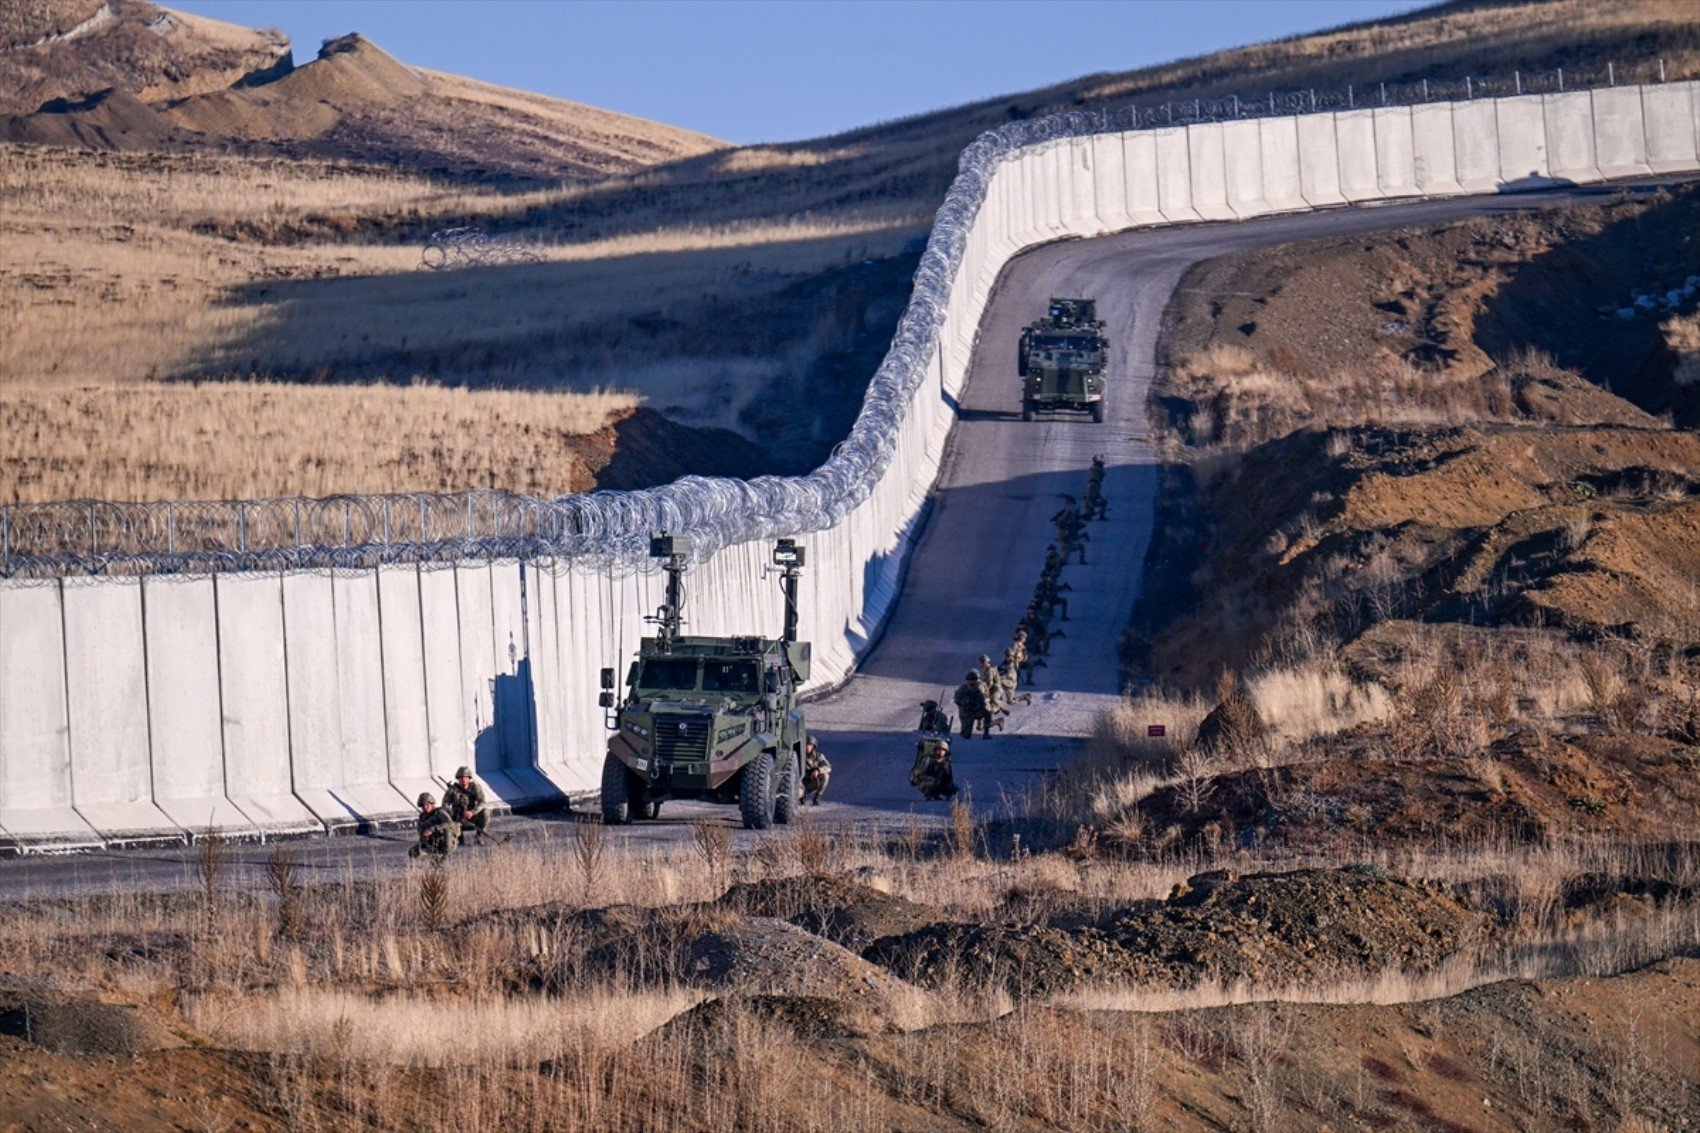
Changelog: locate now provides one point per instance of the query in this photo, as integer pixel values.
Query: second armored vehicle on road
(712, 718)
(1061, 360)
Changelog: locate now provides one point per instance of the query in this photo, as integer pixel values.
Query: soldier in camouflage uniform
(971, 707)
(1097, 507)
(1018, 647)
(817, 772)
(1009, 676)
(437, 831)
(1053, 562)
(933, 719)
(1048, 597)
(464, 800)
(996, 702)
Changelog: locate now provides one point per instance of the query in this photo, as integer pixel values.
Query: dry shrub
(1315, 698)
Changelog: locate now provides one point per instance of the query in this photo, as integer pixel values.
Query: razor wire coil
(609, 530)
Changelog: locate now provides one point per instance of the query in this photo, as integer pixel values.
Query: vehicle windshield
(1065, 342)
(679, 673)
(731, 676)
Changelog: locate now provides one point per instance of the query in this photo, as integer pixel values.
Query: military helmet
(930, 705)
(985, 660)
(426, 798)
(973, 675)
(463, 773)
(1021, 633)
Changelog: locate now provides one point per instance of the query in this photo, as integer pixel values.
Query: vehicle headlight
(636, 728)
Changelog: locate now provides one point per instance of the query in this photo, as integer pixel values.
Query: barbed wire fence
(466, 247)
(607, 529)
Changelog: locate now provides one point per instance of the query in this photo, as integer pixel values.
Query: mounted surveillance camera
(786, 553)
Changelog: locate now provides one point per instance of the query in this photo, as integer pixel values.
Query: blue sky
(777, 70)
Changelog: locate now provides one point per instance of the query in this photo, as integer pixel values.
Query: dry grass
(240, 440)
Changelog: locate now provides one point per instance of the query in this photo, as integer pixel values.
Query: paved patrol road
(971, 577)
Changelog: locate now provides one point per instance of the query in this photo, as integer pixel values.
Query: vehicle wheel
(616, 792)
(1098, 412)
(1026, 410)
(755, 792)
(787, 792)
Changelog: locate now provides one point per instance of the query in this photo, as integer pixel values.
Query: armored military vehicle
(712, 718)
(1061, 360)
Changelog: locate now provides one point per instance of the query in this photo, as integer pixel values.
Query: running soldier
(1053, 562)
(437, 831)
(995, 700)
(464, 800)
(1097, 507)
(1048, 597)
(1009, 675)
(971, 706)
(817, 772)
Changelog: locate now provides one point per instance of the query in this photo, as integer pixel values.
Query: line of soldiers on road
(987, 695)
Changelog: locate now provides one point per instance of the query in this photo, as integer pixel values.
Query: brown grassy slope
(352, 102)
(135, 46)
(1444, 490)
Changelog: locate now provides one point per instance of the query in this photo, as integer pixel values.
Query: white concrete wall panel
(445, 702)
(1109, 181)
(407, 729)
(1242, 163)
(514, 687)
(1139, 160)
(255, 699)
(1568, 120)
(365, 766)
(1278, 143)
(1174, 176)
(107, 701)
(1395, 152)
(1354, 136)
(478, 669)
(181, 623)
(1475, 138)
(1319, 161)
(35, 752)
(1522, 141)
(1084, 214)
(1434, 160)
(1208, 171)
(1668, 116)
(1620, 138)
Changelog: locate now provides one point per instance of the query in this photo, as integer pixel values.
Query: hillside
(658, 249)
(133, 76)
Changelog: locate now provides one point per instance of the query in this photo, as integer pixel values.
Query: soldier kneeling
(437, 831)
(816, 773)
(464, 800)
(932, 774)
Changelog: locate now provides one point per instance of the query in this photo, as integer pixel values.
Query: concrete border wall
(267, 703)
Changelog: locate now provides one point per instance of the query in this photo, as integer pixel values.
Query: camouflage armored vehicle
(712, 718)
(1061, 360)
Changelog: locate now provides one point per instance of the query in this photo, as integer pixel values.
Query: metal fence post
(1561, 80)
(1469, 89)
(170, 528)
(1517, 76)
(1351, 98)
(1425, 90)
(1661, 69)
(1611, 74)
(299, 541)
(1384, 94)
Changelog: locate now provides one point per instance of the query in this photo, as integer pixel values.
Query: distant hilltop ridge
(130, 75)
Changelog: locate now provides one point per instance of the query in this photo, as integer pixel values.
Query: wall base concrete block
(197, 815)
(277, 816)
(361, 805)
(132, 824)
(49, 830)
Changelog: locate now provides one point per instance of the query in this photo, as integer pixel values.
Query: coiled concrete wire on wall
(351, 649)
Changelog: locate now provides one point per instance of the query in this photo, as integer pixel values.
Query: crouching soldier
(817, 772)
(932, 774)
(934, 719)
(464, 800)
(971, 706)
(438, 833)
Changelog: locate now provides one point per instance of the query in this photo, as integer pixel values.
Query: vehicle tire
(1098, 412)
(755, 792)
(1026, 410)
(787, 792)
(616, 792)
